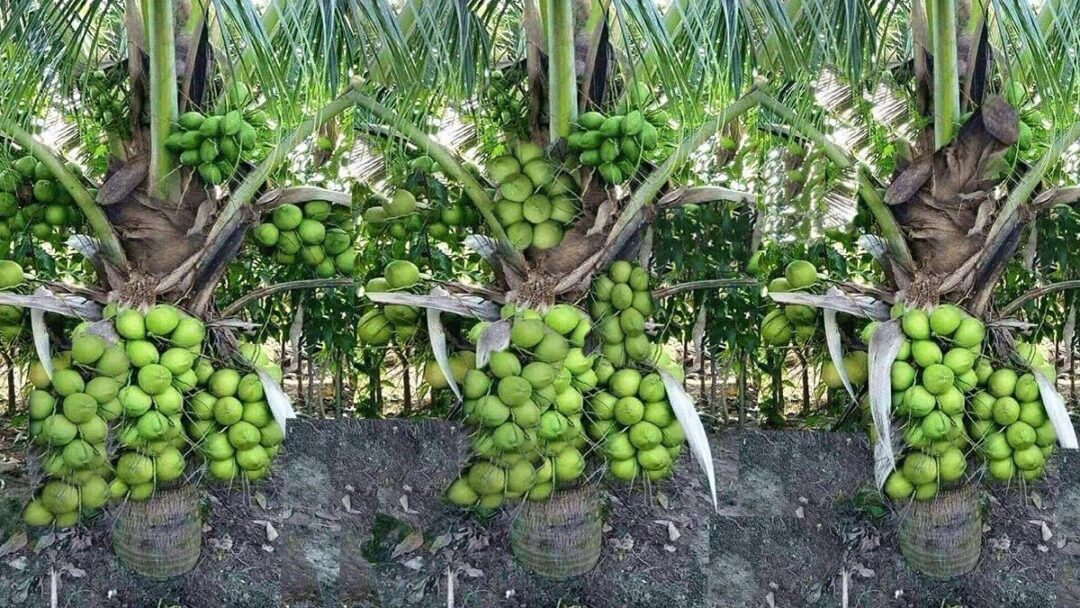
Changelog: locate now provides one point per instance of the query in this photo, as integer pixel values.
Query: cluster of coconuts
(230, 420)
(622, 303)
(634, 423)
(11, 317)
(938, 366)
(106, 99)
(1009, 421)
(617, 143)
(503, 101)
(436, 219)
(789, 321)
(535, 201)
(69, 422)
(526, 406)
(161, 354)
(631, 417)
(126, 383)
(216, 144)
(31, 199)
(386, 322)
(316, 235)
(403, 215)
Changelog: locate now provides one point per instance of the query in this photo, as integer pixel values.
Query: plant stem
(898, 247)
(1015, 305)
(665, 292)
(99, 224)
(449, 164)
(946, 78)
(562, 78)
(270, 290)
(164, 179)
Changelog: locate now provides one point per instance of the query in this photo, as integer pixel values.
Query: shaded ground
(352, 519)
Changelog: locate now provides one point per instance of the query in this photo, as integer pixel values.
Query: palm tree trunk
(164, 180)
(942, 18)
(562, 78)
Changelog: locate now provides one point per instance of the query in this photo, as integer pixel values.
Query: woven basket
(561, 537)
(942, 538)
(160, 537)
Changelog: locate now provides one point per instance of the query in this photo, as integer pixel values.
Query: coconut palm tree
(843, 82)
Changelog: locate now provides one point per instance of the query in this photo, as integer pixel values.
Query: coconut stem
(164, 179)
(562, 78)
(942, 18)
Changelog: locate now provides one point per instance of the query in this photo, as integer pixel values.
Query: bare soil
(353, 518)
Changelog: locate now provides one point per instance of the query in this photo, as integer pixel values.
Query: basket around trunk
(160, 537)
(561, 537)
(942, 538)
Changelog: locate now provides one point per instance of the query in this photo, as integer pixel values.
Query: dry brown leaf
(14, 543)
(440, 542)
(410, 543)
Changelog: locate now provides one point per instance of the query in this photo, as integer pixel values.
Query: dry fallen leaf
(440, 541)
(44, 542)
(260, 499)
(472, 572)
(415, 563)
(663, 500)
(672, 531)
(799, 513)
(271, 532)
(14, 543)
(404, 502)
(409, 544)
(18, 563)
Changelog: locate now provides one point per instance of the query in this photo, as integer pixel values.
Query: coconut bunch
(633, 422)
(939, 366)
(162, 353)
(622, 303)
(11, 317)
(631, 418)
(397, 217)
(437, 219)
(788, 321)
(525, 407)
(31, 200)
(504, 101)
(106, 98)
(403, 214)
(69, 424)
(616, 144)
(1032, 120)
(230, 419)
(317, 235)
(1009, 421)
(386, 322)
(216, 144)
(535, 200)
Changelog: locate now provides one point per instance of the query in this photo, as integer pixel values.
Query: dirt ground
(795, 521)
